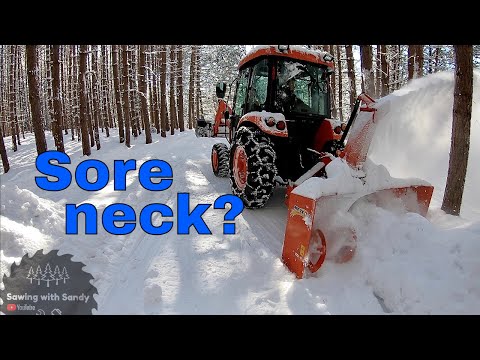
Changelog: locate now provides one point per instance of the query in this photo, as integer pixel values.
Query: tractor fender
(324, 134)
(260, 119)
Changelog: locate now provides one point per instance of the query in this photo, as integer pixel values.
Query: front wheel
(252, 167)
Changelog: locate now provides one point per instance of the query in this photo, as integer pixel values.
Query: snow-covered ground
(405, 264)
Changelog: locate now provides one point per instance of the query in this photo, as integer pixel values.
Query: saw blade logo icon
(48, 284)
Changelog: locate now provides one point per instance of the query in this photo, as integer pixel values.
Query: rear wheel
(252, 167)
(220, 158)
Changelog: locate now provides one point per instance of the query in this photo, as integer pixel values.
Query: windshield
(301, 88)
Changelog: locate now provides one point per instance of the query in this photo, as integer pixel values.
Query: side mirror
(221, 89)
(226, 114)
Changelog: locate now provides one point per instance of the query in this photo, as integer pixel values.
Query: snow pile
(413, 139)
(342, 179)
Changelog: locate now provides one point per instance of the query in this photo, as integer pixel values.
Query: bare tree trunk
(34, 97)
(430, 59)
(17, 97)
(181, 120)
(419, 61)
(49, 85)
(340, 84)
(88, 96)
(126, 104)
(143, 95)
(106, 113)
(156, 90)
(73, 91)
(384, 61)
(462, 113)
(3, 153)
(163, 86)
(12, 96)
(198, 95)
(378, 74)
(57, 105)
(394, 73)
(132, 93)
(3, 150)
(154, 103)
(411, 61)
(21, 91)
(65, 89)
(95, 95)
(116, 81)
(367, 68)
(173, 111)
(437, 55)
(191, 89)
(334, 88)
(351, 75)
(415, 61)
(82, 82)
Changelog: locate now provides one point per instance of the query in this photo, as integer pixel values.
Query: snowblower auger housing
(318, 213)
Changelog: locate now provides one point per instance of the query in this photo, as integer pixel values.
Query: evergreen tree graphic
(65, 275)
(48, 275)
(38, 275)
(31, 274)
(57, 275)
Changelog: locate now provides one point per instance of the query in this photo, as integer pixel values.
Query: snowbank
(414, 140)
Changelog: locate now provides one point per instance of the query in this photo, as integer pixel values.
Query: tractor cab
(283, 92)
(278, 83)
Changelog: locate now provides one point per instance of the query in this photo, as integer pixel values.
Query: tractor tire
(252, 167)
(202, 131)
(220, 159)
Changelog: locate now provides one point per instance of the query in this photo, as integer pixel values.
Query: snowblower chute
(320, 224)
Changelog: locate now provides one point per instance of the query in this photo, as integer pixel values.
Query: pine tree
(48, 275)
(57, 275)
(31, 274)
(38, 275)
(65, 276)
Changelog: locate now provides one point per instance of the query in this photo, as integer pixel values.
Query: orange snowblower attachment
(320, 225)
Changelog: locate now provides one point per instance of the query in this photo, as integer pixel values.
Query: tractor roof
(293, 52)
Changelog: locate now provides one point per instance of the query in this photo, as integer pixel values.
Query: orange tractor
(281, 133)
